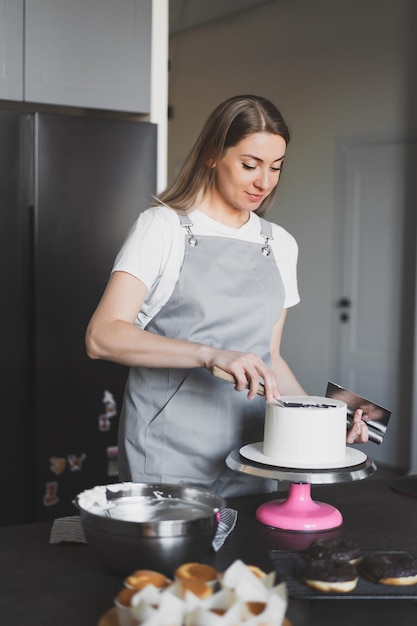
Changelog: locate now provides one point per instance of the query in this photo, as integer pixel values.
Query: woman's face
(248, 172)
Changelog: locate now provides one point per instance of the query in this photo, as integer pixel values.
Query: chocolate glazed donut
(390, 568)
(329, 575)
(335, 550)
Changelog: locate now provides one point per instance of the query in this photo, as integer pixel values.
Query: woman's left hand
(358, 433)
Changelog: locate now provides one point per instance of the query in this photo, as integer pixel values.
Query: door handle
(344, 303)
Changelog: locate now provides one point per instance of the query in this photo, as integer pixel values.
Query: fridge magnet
(57, 464)
(112, 457)
(76, 462)
(110, 410)
(50, 498)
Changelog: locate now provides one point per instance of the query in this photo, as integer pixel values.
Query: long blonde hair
(229, 123)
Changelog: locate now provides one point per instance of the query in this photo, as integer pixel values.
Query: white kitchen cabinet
(11, 49)
(83, 53)
(89, 53)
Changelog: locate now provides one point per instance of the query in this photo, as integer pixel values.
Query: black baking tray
(290, 566)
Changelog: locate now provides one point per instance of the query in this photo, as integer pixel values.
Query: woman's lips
(253, 197)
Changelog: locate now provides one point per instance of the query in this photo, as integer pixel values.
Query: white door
(371, 348)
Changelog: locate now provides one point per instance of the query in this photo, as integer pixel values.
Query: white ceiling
(187, 14)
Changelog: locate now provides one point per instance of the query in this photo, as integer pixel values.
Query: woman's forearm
(124, 343)
(112, 335)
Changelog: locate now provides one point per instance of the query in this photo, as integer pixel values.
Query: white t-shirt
(154, 252)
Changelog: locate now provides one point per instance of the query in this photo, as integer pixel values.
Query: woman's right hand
(248, 370)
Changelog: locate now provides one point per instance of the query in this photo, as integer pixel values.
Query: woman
(204, 281)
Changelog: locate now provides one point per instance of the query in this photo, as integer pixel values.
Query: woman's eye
(248, 167)
(276, 169)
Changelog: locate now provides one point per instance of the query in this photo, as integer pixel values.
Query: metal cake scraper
(375, 416)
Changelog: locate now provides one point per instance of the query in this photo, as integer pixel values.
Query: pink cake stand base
(299, 512)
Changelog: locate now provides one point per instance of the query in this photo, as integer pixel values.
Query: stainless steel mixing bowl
(149, 526)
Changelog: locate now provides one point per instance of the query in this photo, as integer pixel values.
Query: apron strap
(266, 233)
(186, 223)
(185, 220)
(266, 228)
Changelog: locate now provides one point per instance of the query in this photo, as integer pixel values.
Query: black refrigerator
(71, 187)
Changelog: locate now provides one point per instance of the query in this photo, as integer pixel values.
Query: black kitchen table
(64, 584)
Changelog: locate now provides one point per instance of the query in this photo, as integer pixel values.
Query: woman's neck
(235, 218)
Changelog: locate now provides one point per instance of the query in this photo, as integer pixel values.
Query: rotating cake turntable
(294, 427)
(299, 512)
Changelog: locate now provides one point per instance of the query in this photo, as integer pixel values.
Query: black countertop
(64, 584)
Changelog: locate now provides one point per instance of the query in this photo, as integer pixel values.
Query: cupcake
(142, 577)
(196, 571)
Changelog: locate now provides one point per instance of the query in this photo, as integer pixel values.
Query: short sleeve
(141, 254)
(153, 252)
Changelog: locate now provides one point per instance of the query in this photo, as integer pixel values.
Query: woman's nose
(263, 179)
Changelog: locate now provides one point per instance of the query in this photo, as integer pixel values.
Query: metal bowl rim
(167, 525)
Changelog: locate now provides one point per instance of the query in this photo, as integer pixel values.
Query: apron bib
(179, 425)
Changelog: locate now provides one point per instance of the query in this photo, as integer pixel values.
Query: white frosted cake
(305, 436)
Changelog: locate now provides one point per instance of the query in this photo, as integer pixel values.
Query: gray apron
(179, 425)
